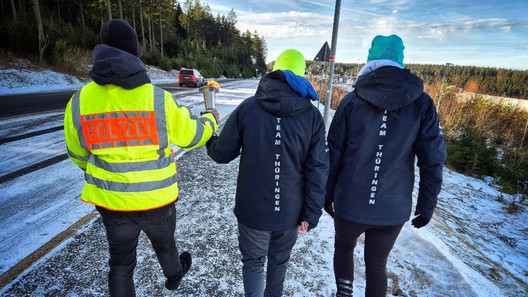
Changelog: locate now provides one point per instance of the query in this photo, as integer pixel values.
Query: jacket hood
(280, 98)
(389, 87)
(117, 67)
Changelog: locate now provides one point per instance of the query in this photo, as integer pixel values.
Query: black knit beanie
(119, 34)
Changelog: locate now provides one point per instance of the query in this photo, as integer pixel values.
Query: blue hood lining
(300, 85)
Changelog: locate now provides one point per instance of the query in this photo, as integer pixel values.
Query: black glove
(419, 222)
(329, 207)
(214, 137)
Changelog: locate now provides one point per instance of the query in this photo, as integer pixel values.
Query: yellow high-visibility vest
(121, 139)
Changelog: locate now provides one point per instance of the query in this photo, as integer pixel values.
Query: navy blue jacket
(377, 132)
(280, 137)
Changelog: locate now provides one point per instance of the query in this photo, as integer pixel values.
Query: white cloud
(222, 9)
(292, 24)
(320, 3)
(308, 19)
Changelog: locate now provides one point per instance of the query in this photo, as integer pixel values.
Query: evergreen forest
(173, 34)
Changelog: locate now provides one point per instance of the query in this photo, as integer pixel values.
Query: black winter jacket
(283, 169)
(376, 133)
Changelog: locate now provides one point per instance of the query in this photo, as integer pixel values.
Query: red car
(190, 77)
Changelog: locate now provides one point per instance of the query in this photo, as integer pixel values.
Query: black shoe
(186, 261)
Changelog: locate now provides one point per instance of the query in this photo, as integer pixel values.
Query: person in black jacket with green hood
(280, 137)
(377, 132)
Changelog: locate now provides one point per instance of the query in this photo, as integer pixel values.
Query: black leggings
(379, 241)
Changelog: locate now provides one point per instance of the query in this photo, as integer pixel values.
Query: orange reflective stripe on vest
(119, 129)
(122, 128)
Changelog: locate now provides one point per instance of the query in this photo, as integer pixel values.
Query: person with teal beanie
(378, 131)
(280, 138)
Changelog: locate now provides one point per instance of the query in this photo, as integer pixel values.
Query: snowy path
(473, 247)
(207, 228)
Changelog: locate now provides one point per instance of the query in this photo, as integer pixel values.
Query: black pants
(122, 232)
(379, 241)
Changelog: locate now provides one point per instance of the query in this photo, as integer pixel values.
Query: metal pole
(320, 84)
(442, 86)
(328, 97)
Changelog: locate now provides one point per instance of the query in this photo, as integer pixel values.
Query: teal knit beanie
(387, 48)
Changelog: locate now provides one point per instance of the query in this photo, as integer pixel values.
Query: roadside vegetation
(486, 138)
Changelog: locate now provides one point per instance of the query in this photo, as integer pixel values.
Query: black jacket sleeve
(337, 136)
(226, 147)
(431, 153)
(315, 175)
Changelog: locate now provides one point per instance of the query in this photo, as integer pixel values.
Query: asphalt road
(16, 105)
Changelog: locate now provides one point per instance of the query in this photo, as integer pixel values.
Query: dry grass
(10, 61)
(501, 123)
(76, 62)
(336, 96)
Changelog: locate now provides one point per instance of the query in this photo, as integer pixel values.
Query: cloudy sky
(468, 32)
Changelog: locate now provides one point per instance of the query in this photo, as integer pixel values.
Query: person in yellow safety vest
(118, 129)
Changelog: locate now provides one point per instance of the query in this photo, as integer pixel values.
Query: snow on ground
(31, 79)
(472, 247)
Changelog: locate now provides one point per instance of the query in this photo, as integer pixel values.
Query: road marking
(10, 275)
